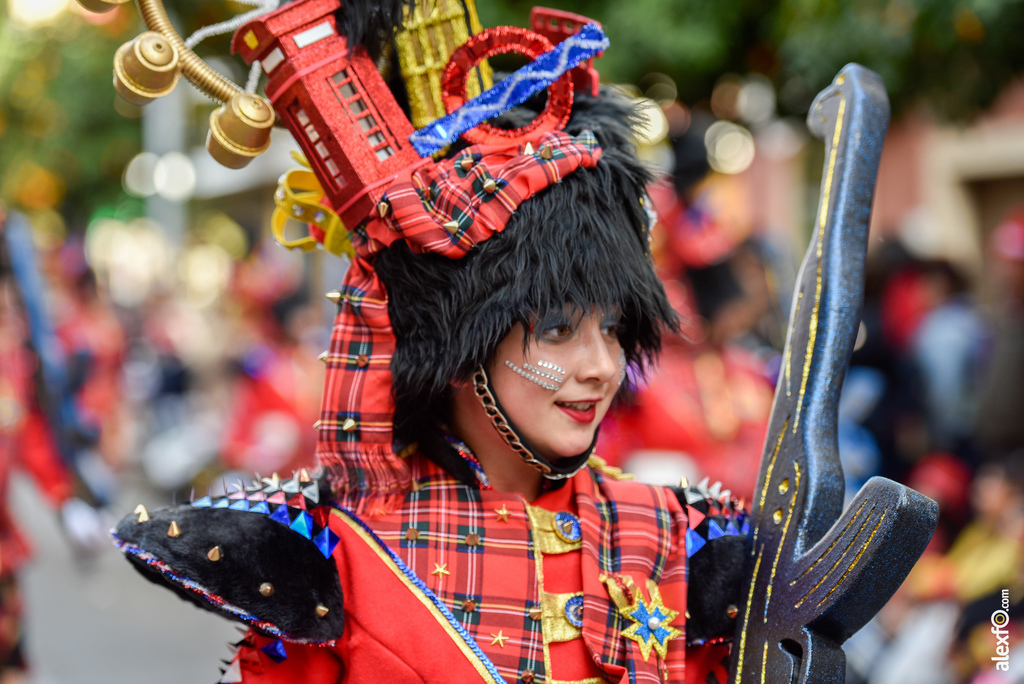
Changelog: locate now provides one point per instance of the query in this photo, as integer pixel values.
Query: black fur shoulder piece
(716, 549)
(241, 559)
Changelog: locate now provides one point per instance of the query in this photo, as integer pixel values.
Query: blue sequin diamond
(281, 516)
(714, 530)
(303, 524)
(275, 651)
(694, 543)
(260, 507)
(326, 541)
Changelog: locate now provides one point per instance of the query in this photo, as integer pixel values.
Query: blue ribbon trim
(511, 91)
(419, 584)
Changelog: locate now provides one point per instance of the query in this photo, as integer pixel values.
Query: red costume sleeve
(37, 453)
(302, 663)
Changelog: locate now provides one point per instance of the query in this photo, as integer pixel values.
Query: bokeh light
(32, 13)
(730, 147)
(138, 175)
(755, 103)
(132, 258)
(174, 177)
(205, 271)
(652, 126)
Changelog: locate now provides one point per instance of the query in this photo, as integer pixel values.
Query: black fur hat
(582, 241)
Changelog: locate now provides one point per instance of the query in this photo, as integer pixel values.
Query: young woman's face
(559, 389)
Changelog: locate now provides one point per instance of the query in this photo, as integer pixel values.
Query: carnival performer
(459, 526)
(27, 444)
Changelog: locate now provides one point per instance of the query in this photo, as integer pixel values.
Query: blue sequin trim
(419, 584)
(511, 91)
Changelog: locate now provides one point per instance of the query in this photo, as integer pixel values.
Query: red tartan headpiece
(443, 207)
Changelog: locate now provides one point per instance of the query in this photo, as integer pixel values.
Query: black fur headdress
(582, 241)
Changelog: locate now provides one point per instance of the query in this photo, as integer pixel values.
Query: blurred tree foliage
(953, 55)
(63, 144)
(65, 136)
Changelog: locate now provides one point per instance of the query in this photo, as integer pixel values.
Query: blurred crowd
(194, 396)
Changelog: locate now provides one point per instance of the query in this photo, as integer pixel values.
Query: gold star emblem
(503, 513)
(440, 569)
(651, 622)
(499, 639)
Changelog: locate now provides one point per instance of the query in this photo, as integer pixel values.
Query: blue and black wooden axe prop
(818, 573)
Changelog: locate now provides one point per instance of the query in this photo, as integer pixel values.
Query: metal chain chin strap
(482, 389)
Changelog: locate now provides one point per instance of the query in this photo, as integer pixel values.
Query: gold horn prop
(240, 130)
(145, 68)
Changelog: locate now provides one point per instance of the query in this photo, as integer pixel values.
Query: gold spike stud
(317, 424)
(324, 356)
(528, 149)
(143, 514)
(349, 425)
(304, 476)
(214, 554)
(684, 483)
(490, 185)
(334, 296)
(266, 590)
(466, 163)
(546, 152)
(322, 610)
(452, 226)
(383, 207)
(174, 531)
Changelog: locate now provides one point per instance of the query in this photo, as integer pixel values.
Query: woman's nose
(600, 355)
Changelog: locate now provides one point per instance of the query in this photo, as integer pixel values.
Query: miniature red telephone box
(334, 102)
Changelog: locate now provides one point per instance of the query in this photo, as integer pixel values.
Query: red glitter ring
(497, 41)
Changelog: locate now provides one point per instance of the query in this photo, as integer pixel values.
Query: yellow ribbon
(299, 197)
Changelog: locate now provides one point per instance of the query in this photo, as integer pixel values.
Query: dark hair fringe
(581, 242)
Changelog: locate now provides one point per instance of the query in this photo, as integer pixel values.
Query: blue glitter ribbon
(511, 91)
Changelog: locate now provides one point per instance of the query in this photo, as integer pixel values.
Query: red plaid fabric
(478, 190)
(483, 569)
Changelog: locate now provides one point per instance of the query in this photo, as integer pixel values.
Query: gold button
(472, 539)
(527, 676)
(362, 360)
(468, 606)
(535, 613)
(412, 534)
